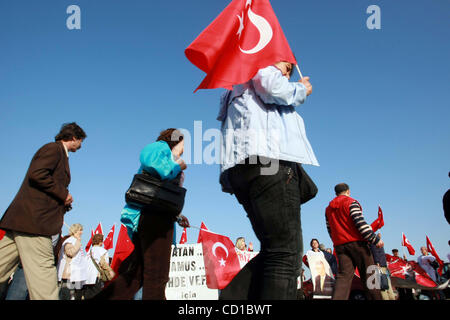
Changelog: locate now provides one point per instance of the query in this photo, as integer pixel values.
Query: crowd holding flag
(244, 38)
(222, 262)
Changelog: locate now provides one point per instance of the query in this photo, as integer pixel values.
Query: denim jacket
(259, 119)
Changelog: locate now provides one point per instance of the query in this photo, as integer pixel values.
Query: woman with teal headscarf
(150, 229)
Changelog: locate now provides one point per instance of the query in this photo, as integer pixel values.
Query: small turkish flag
(2, 233)
(221, 260)
(434, 254)
(202, 227)
(183, 236)
(244, 38)
(379, 222)
(108, 242)
(97, 230)
(407, 244)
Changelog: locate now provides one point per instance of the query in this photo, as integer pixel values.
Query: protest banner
(321, 275)
(187, 278)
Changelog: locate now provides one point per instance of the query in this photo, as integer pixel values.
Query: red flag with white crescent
(434, 254)
(408, 270)
(407, 244)
(379, 221)
(124, 247)
(221, 260)
(108, 242)
(202, 227)
(97, 230)
(245, 37)
(183, 236)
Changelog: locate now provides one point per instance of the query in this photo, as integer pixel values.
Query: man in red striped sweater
(351, 236)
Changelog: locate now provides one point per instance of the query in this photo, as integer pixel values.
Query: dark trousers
(90, 290)
(272, 203)
(351, 255)
(148, 265)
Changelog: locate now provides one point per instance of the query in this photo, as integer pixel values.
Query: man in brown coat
(37, 213)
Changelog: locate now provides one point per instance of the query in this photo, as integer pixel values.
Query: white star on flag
(222, 262)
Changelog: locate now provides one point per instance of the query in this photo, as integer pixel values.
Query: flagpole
(203, 229)
(403, 248)
(300, 73)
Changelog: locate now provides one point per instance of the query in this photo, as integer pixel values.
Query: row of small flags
(124, 245)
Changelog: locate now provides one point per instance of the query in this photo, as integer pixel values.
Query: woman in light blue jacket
(150, 229)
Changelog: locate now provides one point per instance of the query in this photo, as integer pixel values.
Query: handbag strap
(95, 263)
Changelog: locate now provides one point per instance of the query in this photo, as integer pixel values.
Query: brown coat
(38, 207)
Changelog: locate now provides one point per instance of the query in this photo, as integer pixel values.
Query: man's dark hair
(341, 187)
(394, 250)
(69, 131)
(171, 136)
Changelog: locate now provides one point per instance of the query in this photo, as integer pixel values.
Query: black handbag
(147, 190)
(308, 189)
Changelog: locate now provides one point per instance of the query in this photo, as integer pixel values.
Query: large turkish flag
(244, 38)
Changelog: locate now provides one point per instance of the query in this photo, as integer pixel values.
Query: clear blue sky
(378, 117)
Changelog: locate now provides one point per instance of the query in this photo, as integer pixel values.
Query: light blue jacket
(259, 119)
(157, 159)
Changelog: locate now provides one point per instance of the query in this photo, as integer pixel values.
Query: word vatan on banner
(187, 278)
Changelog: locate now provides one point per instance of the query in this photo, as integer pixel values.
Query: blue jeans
(18, 288)
(272, 203)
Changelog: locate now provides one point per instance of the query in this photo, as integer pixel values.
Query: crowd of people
(264, 172)
(329, 273)
(78, 271)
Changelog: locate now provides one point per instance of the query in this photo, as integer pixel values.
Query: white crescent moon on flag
(216, 245)
(265, 32)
